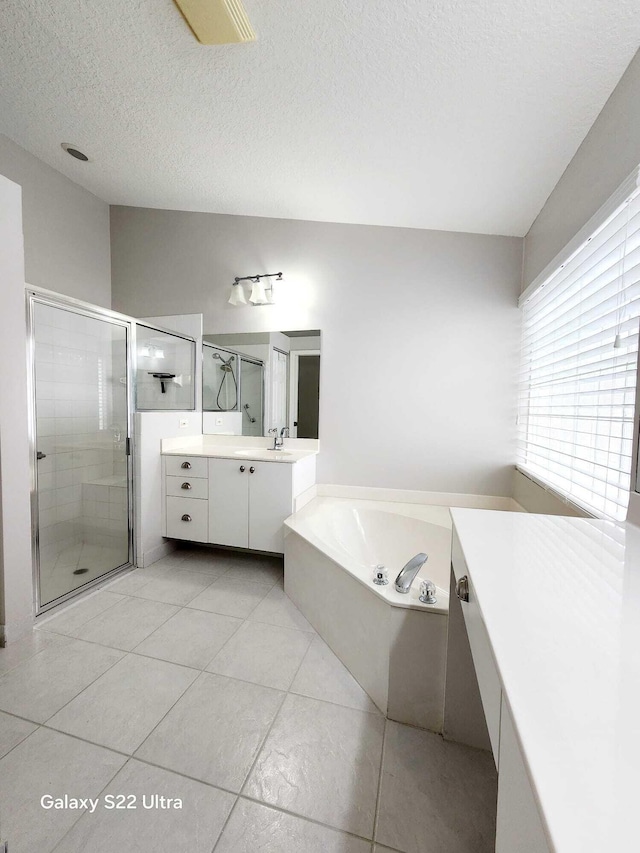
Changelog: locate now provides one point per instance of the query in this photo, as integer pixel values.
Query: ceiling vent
(217, 21)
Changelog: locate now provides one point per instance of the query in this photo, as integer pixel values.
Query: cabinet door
(229, 502)
(518, 826)
(270, 502)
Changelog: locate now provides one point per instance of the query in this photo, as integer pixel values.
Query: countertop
(250, 454)
(560, 598)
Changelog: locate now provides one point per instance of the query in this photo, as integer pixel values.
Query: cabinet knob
(462, 588)
(185, 486)
(186, 517)
(186, 465)
(252, 470)
(242, 469)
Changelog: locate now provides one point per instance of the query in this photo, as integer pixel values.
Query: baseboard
(157, 553)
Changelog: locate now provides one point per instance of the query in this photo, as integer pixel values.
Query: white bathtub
(362, 534)
(393, 644)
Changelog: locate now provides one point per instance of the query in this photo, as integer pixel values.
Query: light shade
(258, 295)
(237, 296)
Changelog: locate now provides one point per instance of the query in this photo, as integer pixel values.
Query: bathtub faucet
(408, 574)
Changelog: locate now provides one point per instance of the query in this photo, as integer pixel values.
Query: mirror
(256, 381)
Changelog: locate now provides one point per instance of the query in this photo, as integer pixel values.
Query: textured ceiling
(450, 114)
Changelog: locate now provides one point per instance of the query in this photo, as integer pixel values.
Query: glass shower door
(82, 493)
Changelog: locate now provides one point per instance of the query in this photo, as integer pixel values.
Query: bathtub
(393, 644)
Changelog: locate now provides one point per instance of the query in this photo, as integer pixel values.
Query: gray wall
(609, 152)
(66, 228)
(420, 332)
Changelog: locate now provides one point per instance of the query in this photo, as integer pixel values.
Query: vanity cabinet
(238, 502)
(248, 503)
(519, 827)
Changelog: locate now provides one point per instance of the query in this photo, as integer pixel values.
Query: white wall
(16, 605)
(609, 152)
(419, 332)
(66, 228)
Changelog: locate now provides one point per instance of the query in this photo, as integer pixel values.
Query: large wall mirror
(254, 382)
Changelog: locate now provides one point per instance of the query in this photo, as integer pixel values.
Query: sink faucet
(278, 440)
(407, 574)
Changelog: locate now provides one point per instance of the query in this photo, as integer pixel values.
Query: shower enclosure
(233, 385)
(80, 435)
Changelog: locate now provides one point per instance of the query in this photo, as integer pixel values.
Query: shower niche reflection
(255, 382)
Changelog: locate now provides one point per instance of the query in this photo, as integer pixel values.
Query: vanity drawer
(481, 652)
(187, 487)
(194, 466)
(187, 518)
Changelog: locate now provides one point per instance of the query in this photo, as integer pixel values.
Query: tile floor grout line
(304, 818)
(182, 775)
(133, 650)
(379, 791)
(376, 713)
(79, 604)
(22, 740)
(86, 685)
(84, 812)
(224, 826)
(29, 657)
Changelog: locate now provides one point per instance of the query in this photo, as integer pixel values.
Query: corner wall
(66, 228)
(420, 332)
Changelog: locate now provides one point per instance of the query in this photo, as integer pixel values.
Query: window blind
(578, 368)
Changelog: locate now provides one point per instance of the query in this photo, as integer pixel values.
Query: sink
(261, 451)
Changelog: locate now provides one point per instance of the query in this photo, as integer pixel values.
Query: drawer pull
(186, 517)
(185, 486)
(186, 465)
(252, 470)
(462, 588)
(242, 469)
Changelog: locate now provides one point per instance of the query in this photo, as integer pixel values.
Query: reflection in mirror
(164, 370)
(260, 381)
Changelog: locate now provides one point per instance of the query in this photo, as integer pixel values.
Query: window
(578, 365)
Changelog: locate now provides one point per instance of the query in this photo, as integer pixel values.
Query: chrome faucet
(407, 575)
(278, 440)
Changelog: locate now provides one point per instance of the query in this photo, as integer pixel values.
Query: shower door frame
(39, 295)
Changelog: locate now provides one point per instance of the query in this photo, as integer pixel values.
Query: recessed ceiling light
(217, 21)
(71, 149)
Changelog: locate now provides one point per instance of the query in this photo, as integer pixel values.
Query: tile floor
(197, 678)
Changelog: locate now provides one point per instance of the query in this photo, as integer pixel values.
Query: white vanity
(234, 494)
(551, 607)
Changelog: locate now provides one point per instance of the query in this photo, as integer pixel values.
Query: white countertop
(251, 454)
(560, 598)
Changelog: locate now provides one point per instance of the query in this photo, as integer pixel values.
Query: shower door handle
(40, 455)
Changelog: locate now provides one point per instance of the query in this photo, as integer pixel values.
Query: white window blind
(578, 368)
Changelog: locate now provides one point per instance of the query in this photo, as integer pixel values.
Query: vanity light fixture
(261, 293)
